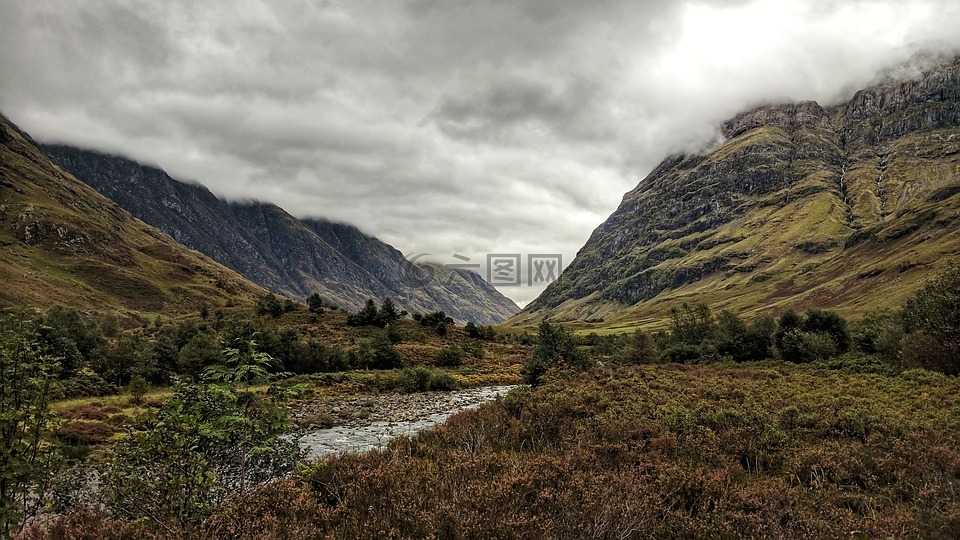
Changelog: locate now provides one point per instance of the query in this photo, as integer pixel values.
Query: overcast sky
(441, 126)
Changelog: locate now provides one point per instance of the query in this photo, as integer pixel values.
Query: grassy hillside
(63, 243)
(850, 207)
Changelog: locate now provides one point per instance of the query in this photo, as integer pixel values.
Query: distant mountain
(286, 255)
(850, 207)
(62, 242)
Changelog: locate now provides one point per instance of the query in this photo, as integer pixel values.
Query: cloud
(440, 126)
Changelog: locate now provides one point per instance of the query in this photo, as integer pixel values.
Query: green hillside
(849, 207)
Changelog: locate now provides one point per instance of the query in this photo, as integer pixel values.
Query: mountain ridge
(802, 205)
(62, 242)
(287, 255)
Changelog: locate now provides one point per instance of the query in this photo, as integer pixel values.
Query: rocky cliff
(849, 206)
(287, 255)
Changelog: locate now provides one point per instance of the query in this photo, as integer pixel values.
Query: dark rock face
(286, 255)
(799, 199)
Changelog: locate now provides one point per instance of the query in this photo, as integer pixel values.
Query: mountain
(62, 242)
(284, 254)
(849, 207)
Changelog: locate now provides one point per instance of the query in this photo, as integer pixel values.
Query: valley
(762, 341)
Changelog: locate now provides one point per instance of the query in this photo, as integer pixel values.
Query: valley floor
(771, 449)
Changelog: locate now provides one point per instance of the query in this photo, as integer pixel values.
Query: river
(367, 422)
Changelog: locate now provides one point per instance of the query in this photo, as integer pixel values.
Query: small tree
(472, 330)
(932, 322)
(315, 303)
(138, 388)
(368, 316)
(640, 349)
(691, 324)
(182, 461)
(555, 346)
(449, 357)
(28, 378)
(389, 313)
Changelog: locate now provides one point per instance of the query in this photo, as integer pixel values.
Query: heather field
(770, 449)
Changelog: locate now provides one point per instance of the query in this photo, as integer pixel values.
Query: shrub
(932, 322)
(85, 432)
(377, 353)
(423, 379)
(818, 335)
(28, 462)
(472, 330)
(555, 346)
(85, 385)
(270, 305)
(138, 388)
(179, 464)
(683, 353)
(370, 315)
(449, 356)
(691, 323)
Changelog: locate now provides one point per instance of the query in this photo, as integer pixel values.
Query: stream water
(377, 433)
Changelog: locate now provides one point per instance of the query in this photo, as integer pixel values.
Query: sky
(443, 127)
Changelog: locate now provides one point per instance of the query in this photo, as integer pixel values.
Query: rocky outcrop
(792, 209)
(284, 254)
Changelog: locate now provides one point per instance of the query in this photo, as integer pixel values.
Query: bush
(683, 353)
(138, 388)
(449, 357)
(28, 460)
(932, 321)
(555, 346)
(423, 379)
(85, 385)
(180, 463)
(377, 353)
(819, 335)
(270, 305)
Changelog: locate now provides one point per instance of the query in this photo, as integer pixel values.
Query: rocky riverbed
(358, 423)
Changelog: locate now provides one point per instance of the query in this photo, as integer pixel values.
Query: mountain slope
(280, 252)
(848, 207)
(62, 242)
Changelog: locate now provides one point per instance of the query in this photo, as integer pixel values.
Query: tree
(932, 324)
(368, 316)
(138, 388)
(389, 313)
(640, 349)
(28, 461)
(818, 335)
(691, 324)
(198, 354)
(830, 323)
(182, 461)
(555, 347)
(377, 353)
(449, 357)
(472, 330)
(315, 303)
